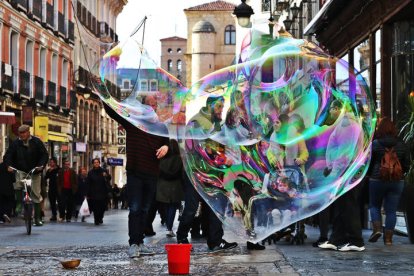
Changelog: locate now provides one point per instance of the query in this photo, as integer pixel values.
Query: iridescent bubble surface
(266, 142)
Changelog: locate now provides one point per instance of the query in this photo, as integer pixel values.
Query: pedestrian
(116, 194)
(6, 193)
(82, 192)
(143, 151)
(385, 192)
(99, 187)
(207, 120)
(67, 186)
(51, 178)
(170, 185)
(26, 153)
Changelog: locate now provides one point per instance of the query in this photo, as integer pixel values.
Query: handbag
(84, 209)
(170, 167)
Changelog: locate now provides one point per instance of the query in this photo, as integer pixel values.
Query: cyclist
(24, 154)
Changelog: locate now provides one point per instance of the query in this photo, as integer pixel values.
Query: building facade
(172, 57)
(36, 38)
(94, 131)
(211, 39)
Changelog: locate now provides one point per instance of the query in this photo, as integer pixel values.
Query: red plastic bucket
(178, 258)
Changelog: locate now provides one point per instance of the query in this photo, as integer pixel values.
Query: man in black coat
(26, 153)
(6, 193)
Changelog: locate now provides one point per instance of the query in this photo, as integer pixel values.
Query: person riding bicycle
(24, 154)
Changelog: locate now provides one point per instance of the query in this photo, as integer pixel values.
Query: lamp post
(243, 13)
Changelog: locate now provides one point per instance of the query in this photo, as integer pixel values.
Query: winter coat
(73, 180)
(25, 158)
(378, 151)
(52, 175)
(6, 181)
(98, 184)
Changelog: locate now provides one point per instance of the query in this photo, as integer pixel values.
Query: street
(103, 251)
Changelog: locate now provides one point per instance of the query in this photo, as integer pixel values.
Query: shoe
(170, 234)
(319, 241)
(145, 250)
(38, 223)
(183, 241)
(53, 218)
(328, 245)
(83, 219)
(133, 251)
(61, 219)
(223, 246)
(255, 246)
(251, 233)
(68, 220)
(375, 236)
(350, 247)
(6, 218)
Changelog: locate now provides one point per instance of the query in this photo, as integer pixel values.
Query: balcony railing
(93, 27)
(20, 4)
(51, 87)
(62, 96)
(104, 29)
(89, 21)
(39, 89)
(7, 77)
(84, 15)
(61, 23)
(37, 9)
(24, 86)
(49, 15)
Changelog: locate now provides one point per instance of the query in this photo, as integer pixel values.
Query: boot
(18, 195)
(376, 231)
(388, 237)
(38, 215)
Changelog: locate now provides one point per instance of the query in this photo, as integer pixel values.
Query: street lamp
(243, 13)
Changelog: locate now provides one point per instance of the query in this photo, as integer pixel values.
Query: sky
(165, 19)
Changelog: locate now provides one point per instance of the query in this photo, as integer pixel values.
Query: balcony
(7, 77)
(89, 21)
(104, 30)
(111, 34)
(36, 12)
(24, 83)
(84, 15)
(39, 89)
(62, 96)
(82, 76)
(93, 27)
(20, 4)
(61, 24)
(49, 16)
(51, 87)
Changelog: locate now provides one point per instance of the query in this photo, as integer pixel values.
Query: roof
(175, 38)
(213, 6)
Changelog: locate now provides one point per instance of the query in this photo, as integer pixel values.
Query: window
(230, 35)
(179, 65)
(144, 85)
(169, 65)
(126, 84)
(265, 5)
(169, 50)
(153, 85)
(179, 50)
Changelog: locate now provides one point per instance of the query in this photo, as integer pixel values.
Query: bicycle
(27, 201)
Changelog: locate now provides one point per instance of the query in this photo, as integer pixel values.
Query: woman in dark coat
(82, 192)
(51, 177)
(6, 193)
(98, 182)
(382, 192)
(170, 186)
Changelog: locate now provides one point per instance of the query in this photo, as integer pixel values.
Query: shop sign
(115, 161)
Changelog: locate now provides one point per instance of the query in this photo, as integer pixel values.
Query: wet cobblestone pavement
(103, 251)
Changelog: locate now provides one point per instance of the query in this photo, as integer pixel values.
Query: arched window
(169, 50)
(169, 65)
(230, 35)
(179, 65)
(179, 50)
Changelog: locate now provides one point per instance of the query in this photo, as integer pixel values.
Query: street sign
(115, 161)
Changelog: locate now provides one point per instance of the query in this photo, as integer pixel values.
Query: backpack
(390, 169)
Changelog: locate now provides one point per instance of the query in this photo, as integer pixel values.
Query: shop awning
(58, 137)
(7, 118)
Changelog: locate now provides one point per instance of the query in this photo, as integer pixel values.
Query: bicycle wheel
(28, 216)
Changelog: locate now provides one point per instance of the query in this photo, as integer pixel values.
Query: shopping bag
(84, 209)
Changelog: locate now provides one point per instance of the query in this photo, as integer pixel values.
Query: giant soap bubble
(266, 142)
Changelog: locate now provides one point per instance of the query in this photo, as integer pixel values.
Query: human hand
(161, 152)
(9, 169)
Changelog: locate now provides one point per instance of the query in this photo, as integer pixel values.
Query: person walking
(207, 120)
(82, 192)
(170, 185)
(67, 186)
(6, 193)
(99, 187)
(51, 178)
(26, 153)
(382, 191)
(143, 151)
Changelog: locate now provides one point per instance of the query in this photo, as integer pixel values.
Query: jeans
(192, 198)
(171, 210)
(53, 198)
(141, 192)
(66, 204)
(388, 192)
